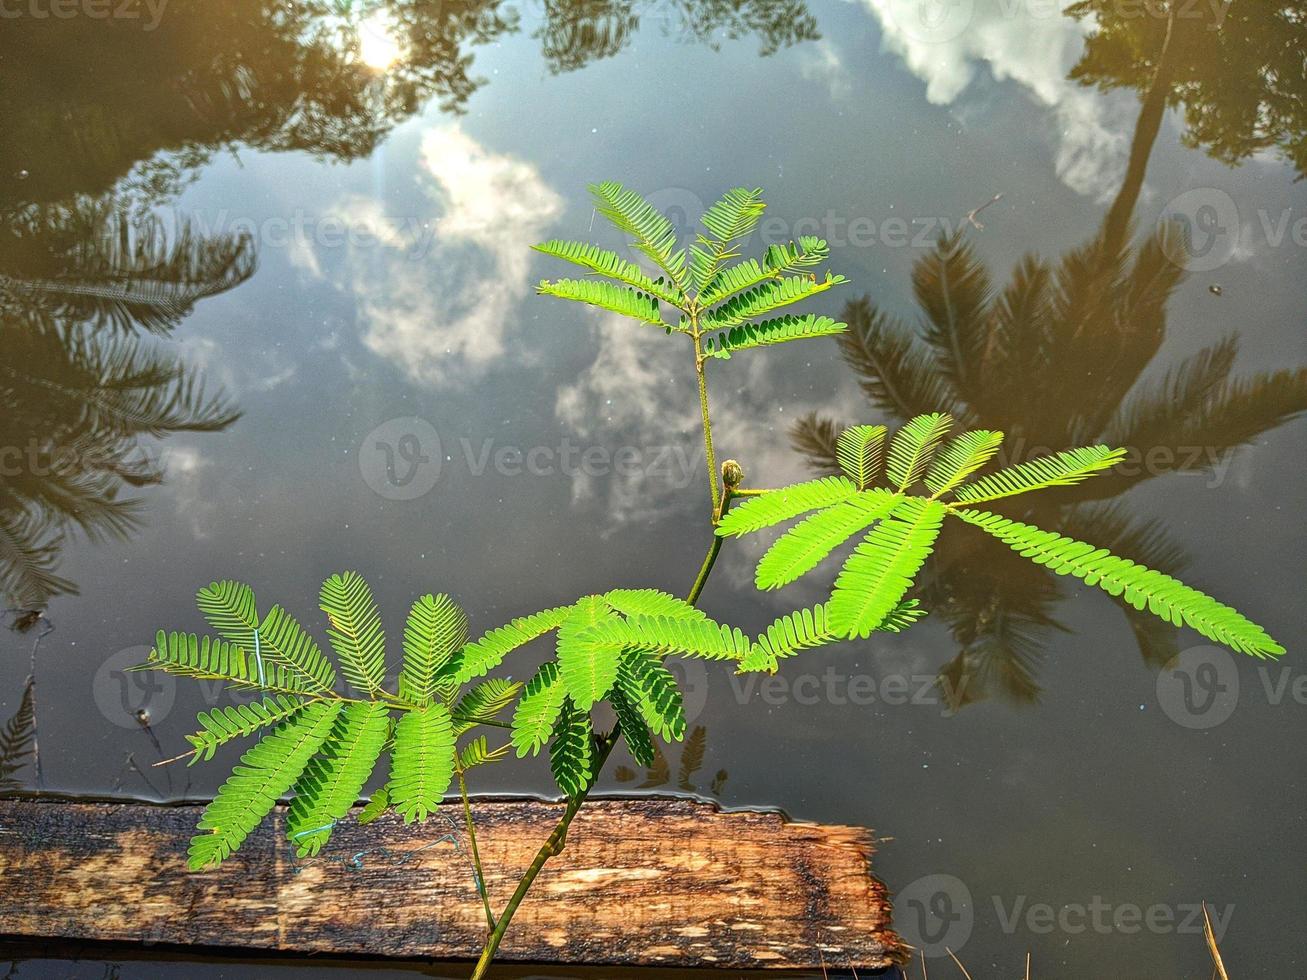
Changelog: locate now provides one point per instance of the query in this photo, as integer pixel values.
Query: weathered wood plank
(642, 881)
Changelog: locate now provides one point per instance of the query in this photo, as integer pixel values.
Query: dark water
(354, 277)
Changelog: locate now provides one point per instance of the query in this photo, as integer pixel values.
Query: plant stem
(476, 855)
(553, 846)
(709, 453)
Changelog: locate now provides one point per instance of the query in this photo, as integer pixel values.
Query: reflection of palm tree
(1054, 359)
(1236, 71)
(79, 387)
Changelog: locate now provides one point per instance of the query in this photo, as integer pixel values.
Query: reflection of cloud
(1030, 45)
(436, 296)
(822, 63)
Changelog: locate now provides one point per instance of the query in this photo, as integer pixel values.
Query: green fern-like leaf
(489, 651)
(663, 635)
(267, 770)
(222, 725)
(570, 753)
(331, 783)
(913, 447)
(653, 233)
(588, 669)
(778, 506)
(422, 762)
(355, 633)
(478, 753)
(435, 631)
(612, 265)
(483, 703)
(1142, 588)
(800, 630)
(634, 731)
(616, 299)
(779, 259)
(804, 546)
(960, 457)
(652, 688)
(727, 221)
(651, 602)
(882, 568)
(769, 332)
(206, 658)
(860, 450)
(283, 641)
(1059, 470)
(229, 607)
(764, 298)
(538, 709)
(378, 803)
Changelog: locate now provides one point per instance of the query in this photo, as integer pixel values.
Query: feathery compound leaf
(960, 457)
(421, 762)
(570, 751)
(537, 711)
(221, 725)
(730, 219)
(778, 260)
(777, 506)
(616, 299)
(651, 602)
(378, 804)
(651, 687)
(882, 567)
(489, 651)
(355, 632)
(859, 450)
(1141, 587)
(901, 617)
(665, 636)
(206, 658)
(1059, 470)
(331, 783)
(266, 771)
(588, 670)
(636, 733)
(229, 608)
(770, 332)
(764, 298)
(913, 446)
(653, 233)
(796, 631)
(436, 629)
(613, 266)
(803, 547)
(284, 642)
(484, 702)
(478, 753)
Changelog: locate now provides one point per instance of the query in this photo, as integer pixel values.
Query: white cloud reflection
(945, 42)
(435, 291)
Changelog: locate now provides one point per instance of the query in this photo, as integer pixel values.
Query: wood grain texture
(643, 881)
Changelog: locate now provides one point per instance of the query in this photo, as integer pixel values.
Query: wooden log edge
(643, 881)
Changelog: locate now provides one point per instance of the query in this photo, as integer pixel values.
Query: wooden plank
(642, 881)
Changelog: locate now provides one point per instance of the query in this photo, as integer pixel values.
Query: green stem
(553, 846)
(476, 855)
(709, 453)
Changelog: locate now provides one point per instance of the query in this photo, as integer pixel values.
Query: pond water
(383, 391)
